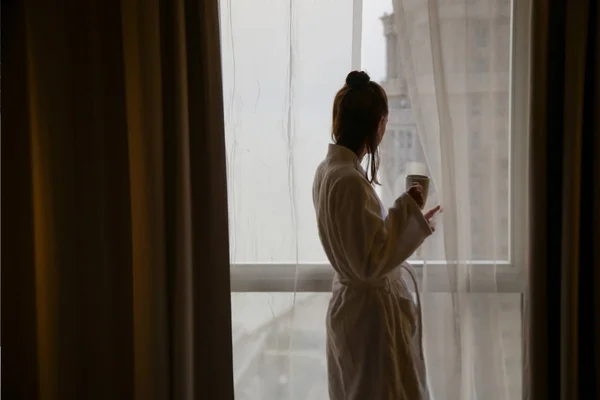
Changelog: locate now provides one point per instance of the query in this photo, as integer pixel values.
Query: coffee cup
(422, 180)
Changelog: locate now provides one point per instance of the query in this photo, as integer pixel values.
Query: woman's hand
(416, 192)
(431, 213)
(429, 216)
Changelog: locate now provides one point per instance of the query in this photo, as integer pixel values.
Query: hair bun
(358, 79)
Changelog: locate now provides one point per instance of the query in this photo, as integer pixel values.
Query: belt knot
(367, 285)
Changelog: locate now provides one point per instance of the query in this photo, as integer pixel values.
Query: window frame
(510, 275)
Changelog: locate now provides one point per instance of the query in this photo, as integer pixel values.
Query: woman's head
(360, 112)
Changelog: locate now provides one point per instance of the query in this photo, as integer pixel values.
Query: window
(398, 103)
(501, 105)
(475, 104)
(475, 139)
(279, 82)
(480, 64)
(404, 102)
(481, 32)
(394, 103)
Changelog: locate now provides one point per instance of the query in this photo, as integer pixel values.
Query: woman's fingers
(416, 192)
(429, 214)
(415, 186)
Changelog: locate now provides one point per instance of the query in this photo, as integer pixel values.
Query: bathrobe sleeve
(366, 236)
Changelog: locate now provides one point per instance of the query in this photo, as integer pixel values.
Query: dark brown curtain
(563, 307)
(115, 265)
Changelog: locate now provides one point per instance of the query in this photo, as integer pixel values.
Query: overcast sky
(373, 49)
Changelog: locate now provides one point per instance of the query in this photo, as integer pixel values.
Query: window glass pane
(281, 69)
(283, 62)
(279, 343)
(479, 93)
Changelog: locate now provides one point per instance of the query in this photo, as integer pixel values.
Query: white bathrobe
(374, 332)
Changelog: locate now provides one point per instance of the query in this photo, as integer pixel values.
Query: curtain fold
(563, 309)
(455, 61)
(115, 251)
(283, 62)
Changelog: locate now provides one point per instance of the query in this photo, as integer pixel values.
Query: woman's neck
(359, 153)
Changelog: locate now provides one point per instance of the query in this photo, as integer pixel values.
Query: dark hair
(357, 110)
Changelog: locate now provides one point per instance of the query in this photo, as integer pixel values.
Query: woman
(374, 344)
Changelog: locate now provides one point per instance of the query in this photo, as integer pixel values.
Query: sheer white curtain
(283, 61)
(455, 63)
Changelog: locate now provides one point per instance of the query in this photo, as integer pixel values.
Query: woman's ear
(383, 122)
(381, 128)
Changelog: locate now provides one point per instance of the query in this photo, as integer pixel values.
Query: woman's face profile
(381, 129)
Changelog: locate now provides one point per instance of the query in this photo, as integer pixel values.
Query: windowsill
(317, 277)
